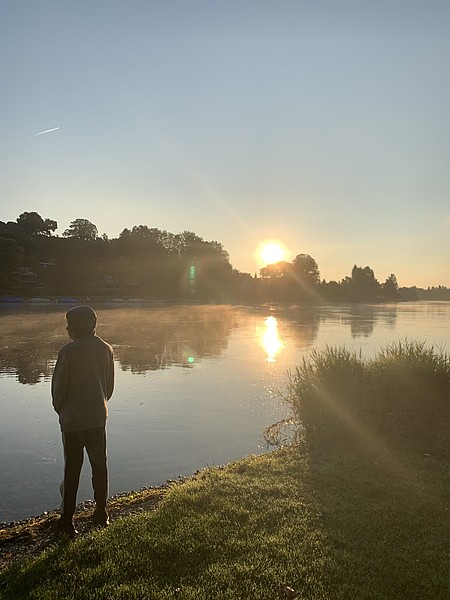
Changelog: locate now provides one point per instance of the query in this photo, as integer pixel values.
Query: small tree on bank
(82, 229)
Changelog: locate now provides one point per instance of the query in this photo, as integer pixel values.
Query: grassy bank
(276, 526)
(352, 512)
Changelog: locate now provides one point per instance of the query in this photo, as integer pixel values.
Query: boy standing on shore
(82, 383)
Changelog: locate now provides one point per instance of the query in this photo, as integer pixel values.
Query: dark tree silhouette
(11, 255)
(278, 270)
(362, 285)
(306, 270)
(390, 289)
(153, 263)
(33, 224)
(82, 229)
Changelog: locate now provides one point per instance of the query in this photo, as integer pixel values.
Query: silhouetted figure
(83, 382)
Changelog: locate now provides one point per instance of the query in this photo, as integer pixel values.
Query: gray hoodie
(83, 382)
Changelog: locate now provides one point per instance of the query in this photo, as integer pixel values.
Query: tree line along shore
(154, 264)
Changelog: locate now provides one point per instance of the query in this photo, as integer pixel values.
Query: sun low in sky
(269, 252)
(303, 138)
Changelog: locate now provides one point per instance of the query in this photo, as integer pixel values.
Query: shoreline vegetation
(355, 506)
(154, 264)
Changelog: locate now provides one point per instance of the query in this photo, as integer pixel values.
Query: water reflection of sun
(271, 340)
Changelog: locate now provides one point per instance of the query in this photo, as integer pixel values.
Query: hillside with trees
(151, 263)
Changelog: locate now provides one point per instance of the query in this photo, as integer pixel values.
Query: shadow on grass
(385, 514)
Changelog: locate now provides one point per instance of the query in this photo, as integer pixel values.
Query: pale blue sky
(322, 124)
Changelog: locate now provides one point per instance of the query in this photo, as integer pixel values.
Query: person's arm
(60, 381)
(110, 380)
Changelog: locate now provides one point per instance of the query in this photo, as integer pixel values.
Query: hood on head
(81, 320)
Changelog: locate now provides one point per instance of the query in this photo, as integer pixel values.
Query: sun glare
(270, 339)
(271, 251)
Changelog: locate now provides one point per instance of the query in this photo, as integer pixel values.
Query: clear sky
(323, 124)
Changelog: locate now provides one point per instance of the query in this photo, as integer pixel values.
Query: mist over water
(194, 384)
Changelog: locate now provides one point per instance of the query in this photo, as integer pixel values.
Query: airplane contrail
(46, 131)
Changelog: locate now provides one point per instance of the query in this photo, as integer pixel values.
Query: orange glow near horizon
(269, 252)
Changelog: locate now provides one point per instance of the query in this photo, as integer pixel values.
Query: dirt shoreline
(29, 537)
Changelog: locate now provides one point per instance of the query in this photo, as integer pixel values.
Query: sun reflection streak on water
(271, 340)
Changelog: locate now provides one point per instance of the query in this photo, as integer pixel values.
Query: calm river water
(194, 384)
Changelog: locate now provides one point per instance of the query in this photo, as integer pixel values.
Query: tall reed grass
(336, 396)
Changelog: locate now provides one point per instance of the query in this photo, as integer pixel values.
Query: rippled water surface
(194, 384)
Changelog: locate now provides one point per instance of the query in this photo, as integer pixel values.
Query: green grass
(334, 527)
(246, 531)
(359, 509)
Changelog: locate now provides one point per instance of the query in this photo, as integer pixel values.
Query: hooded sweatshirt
(82, 383)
